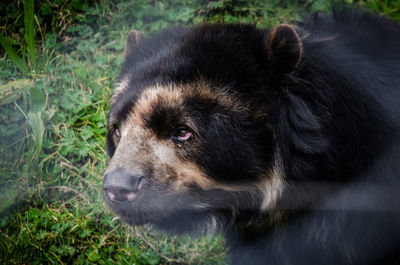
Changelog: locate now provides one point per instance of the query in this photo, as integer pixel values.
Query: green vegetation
(58, 62)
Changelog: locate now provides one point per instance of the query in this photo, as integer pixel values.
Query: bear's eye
(183, 134)
(117, 133)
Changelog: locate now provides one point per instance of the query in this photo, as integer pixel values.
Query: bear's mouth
(162, 210)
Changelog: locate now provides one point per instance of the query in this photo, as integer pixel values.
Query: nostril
(110, 195)
(120, 195)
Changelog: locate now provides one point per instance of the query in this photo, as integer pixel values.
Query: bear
(286, 139)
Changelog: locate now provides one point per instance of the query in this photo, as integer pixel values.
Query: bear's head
(191, 140)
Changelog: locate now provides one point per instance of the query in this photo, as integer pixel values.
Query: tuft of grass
(61, 233)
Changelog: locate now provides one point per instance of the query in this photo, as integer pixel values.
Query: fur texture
(285, 139)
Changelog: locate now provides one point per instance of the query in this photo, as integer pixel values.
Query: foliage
(61, 233)
(29, 41)
(53, 122)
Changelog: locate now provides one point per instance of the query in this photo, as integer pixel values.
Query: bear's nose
(120, 186)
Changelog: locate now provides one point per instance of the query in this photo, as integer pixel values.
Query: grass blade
(37, 126)
(29, 30)
(13, 54)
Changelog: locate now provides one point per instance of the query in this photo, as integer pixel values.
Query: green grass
(57, 68)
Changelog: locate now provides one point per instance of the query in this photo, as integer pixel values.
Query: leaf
(87, 132)
(93, 255)
(13, 90)
(21, 64)
(50, 40)
(29, 30)
(38, 100)
(85, 233)
(66, 250)
(8, 195)
(36, 123)
(9, 130)
(47, 115)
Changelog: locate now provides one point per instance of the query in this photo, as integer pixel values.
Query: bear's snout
(121, 186)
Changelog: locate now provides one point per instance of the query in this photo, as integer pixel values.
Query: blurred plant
(27, 62)
(389, 8)
(13, 90)
(36, 119)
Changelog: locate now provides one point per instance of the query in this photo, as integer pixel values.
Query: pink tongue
(130, 196)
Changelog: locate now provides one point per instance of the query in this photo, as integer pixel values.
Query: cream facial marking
(139, 142)
(273, 187)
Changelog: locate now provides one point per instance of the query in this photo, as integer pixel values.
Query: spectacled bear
(284, 139)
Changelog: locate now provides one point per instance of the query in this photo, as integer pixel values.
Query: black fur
(334, 118)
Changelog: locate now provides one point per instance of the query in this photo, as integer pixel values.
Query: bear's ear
(134, 38)
(284, 48)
